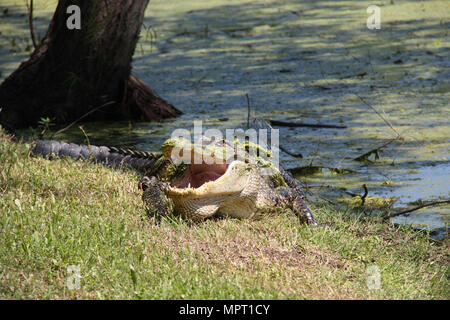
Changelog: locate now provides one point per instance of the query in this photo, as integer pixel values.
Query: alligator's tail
(110, 156)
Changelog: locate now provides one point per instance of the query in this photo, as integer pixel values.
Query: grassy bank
(55, 214)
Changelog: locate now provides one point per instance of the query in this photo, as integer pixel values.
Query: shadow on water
(308, 62)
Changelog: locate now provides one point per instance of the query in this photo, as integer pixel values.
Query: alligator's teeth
(189, 185)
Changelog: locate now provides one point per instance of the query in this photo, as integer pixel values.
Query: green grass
(54, 214)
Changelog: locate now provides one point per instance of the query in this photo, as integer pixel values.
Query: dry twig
(300, 124)
(406, 212)
(30, 22)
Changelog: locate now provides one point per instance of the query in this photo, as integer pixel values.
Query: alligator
(201, 179)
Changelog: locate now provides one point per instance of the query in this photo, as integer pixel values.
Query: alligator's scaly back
(141, 161)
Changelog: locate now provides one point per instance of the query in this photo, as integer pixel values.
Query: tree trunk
(83, 73)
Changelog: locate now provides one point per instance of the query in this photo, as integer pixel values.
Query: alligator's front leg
(155, 199)
(301, 210)
(293, 198)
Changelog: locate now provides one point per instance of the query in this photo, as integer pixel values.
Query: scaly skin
(251, 185)
(140, 161)
(246, 189)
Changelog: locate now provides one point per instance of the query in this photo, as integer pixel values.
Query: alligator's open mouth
(199, 174)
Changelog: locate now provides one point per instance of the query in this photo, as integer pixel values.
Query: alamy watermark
(73, 282)
(374, 20)
(373, 280)
(256, 142)
(74, 20)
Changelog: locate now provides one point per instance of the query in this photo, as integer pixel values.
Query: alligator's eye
(146, 182)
